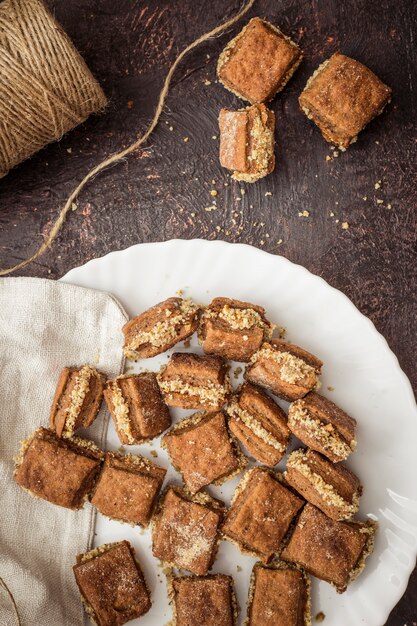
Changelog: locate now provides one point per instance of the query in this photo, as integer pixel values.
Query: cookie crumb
(328, 158)
(345, 225)
(320, 617)
(268, 193)
(207, 82)
(379, 201)
(304, 213)
(330, 388)
(186, 139)
(154, 453)
(213, 192)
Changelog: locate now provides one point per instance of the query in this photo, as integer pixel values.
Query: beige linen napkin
(45, 325)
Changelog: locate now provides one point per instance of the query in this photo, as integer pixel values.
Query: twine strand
(13, 601)
(119, 156)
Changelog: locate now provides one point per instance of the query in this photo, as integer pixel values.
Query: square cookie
(233, 329)
(61, 471)
(331, 487)
(259, 424)
(330, 550)
(136, 405)
(159, 328)
(77, 399)
(247, 143)
(193, 381)
(342, 97)
(285, 369)
(185, 530)
(111, 583)
(323, 426)
(261, 512)
(279, 595)
(204, 601)
(202, 451)
(258, 62)
(127, 488)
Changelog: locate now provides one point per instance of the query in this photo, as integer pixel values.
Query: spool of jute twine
(46, 89)
(119, 156)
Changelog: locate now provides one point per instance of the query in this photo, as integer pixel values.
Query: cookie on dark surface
(247, 143)
(342, 97)
(258, 62)
(111, 583)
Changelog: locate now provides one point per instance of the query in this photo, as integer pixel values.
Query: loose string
(115, 158)
(9, 593)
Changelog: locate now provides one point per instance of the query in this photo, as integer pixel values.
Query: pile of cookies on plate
(296, 523)
(341, 97)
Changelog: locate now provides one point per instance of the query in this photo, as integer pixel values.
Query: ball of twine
(46, 89)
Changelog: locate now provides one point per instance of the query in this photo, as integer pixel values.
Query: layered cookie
(342, 97)
(330, 550)
(160, 328)
(111, 583)
(247, 142)
(137, 407)
(77, 399)
(258, 62)
(186, 530)
(192, 381)
(285, 369)
(332, 488)
(203, 600)
(127, 488)
(279, 595)
(323, 426)
(201, 449)
(61, 471)
(260, 514)
(233, 329)
(259, 424)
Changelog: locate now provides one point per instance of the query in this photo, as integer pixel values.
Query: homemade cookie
(159, 328)
(260, 514)
(342, 97)
(259, 424)
(192, 381)
(247, 142)
(203, 601)
(201, 449)
(330, 550)
(136, 405)
(77, 399)
(127, 488)
(323, 426)
(61, 471)
(258, 62)
(111, 583)
(332, 488)
(233, 329)
(279, 595)
(285, 369)
(185, 530)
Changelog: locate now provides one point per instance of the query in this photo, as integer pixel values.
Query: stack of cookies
(296, 523)
(341, 97)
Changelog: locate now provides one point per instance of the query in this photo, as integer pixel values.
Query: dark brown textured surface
(153, 195)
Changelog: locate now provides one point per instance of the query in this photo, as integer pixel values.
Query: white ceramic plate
(366, 379)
